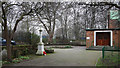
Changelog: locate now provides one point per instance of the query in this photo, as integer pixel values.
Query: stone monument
(40, 45)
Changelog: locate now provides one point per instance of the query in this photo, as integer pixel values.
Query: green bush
(22, 36)
(54, 41)
(19, 53)
(24, 57)
(5, 62)
(26, 38)
(25, 51)
(49, 50)
(34, 39)
(68, 46)
(45, 40)
(16, 60)
(25, 45)
(22, 50)
(60, 40)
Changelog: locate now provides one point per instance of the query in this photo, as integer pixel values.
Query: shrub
(24, 57)
(45, 40)
(26, 38)
(21, 50)
(5, 62)
(16, 60)
(34, 39)
(22, 36)
(49, 50)
(68, 46)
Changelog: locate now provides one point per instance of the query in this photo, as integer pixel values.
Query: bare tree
(12, 14)
(47, 15)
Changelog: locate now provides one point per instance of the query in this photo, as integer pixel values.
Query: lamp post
(40, 45)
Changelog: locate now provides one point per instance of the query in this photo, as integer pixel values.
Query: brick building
(104, 37)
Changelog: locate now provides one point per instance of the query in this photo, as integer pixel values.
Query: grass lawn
(111, 59)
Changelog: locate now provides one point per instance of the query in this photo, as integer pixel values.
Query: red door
(103, 38)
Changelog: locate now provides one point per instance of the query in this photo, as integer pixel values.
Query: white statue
(40, 45)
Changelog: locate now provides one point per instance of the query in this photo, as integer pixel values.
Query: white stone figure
(40, 45)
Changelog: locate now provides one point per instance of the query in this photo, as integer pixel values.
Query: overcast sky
(58, 1)
(64, 0)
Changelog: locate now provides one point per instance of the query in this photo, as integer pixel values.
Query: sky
(66, 0)
(60, 1)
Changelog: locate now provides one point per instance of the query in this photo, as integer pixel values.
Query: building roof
(101, 29)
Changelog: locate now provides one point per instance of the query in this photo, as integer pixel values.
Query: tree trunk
(8, 39)
(63, 37)
(93, 17)
(50, 38)
(9, 53)
(6, 35)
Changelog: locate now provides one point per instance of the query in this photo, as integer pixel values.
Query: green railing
(103, 50)
(108, 51)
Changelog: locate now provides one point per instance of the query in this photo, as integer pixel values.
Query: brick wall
(119, 38)
(116, 38)
(89, 42)
(112, 24)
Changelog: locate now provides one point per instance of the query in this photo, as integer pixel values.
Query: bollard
(103, 49)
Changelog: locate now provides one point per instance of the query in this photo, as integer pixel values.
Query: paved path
(76, 56)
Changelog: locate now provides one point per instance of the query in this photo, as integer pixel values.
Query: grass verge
(112, 59)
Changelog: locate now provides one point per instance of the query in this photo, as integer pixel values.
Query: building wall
(89, 42)
(119, 38)
(116, 34)
(112, 24)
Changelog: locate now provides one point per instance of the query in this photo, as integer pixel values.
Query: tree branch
(100, 4)
(15, 27)
(43, 24)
